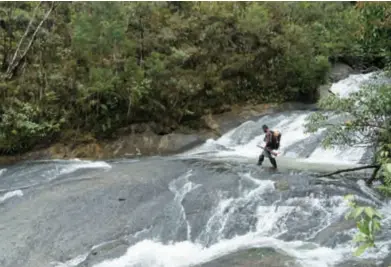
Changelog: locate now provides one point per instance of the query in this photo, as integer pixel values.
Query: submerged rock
(109, 250)
(282, 185)
(254, 257)
(364, 263)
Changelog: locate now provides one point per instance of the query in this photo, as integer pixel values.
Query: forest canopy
(75, 68)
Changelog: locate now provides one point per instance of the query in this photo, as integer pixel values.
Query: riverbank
(146, 143)
(143, 140)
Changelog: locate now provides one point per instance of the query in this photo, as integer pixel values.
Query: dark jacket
(268, 139)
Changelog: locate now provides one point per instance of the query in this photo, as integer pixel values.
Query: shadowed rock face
(340, 71)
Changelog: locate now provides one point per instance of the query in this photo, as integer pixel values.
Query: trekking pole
(271, 152)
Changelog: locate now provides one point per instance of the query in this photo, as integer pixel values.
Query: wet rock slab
(254, 257)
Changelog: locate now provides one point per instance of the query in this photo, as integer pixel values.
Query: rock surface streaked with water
(210, 207)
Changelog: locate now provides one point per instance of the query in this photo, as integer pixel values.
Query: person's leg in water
(260, 159)
(267, 154)
(273, 162)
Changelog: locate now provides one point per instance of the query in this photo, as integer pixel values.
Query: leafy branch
(368, 224)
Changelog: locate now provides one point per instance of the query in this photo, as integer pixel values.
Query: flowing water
(210, 206)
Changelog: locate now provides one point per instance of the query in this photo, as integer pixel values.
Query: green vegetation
(78, 69)
(364, 118)
(85, 70)
(368, 224)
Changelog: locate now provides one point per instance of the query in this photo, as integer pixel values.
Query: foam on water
(153, 253)
(85, 165)
(289, 216)
(336, 155)
(180, 187)
(271, 223)
(226, 209)
(2, 171)
(243, 141)
(30, 174)
(292, 128)
(16, 193)
(72, 262)
(351, 84)
(72, 166)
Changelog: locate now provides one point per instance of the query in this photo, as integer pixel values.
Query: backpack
(276, 138)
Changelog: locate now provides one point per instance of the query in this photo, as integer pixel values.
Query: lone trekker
(272, 140)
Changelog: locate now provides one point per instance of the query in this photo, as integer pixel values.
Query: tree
(99, 67)
(362, 119)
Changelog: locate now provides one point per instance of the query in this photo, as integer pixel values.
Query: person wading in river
(272, 140)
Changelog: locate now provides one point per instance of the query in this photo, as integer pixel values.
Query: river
(210, 206)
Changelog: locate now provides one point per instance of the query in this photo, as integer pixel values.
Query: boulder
(340, 71)
(210, 123)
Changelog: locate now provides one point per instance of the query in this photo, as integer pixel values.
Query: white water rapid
(296, 145)
(275, 220)
(211, 206)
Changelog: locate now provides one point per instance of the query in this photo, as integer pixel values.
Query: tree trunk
(350, 170)
(14, 64)
(373, 177)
